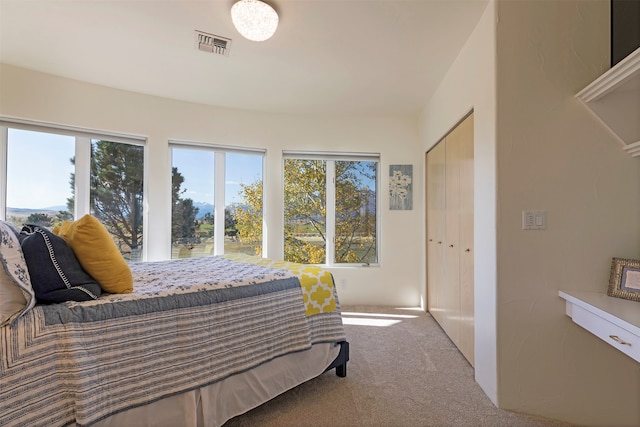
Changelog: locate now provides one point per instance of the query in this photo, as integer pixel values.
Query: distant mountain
(21, 214)
(30, 211)
(56, 208)
(203, 209)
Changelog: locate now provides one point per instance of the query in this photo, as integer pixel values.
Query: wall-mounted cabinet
(615, 99)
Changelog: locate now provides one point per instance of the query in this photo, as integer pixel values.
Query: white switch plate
(534, 220)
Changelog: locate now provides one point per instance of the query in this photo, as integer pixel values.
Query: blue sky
(196, 166)
(39, 169)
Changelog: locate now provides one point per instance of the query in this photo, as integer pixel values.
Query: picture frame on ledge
(624, 281)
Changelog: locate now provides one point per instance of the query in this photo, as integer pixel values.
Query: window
(210, 182)
(56, 174)
(330, 208)
(243, 201)
(116, 193)
(44, 197)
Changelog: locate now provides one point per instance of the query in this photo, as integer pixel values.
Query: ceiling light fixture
(254, 19)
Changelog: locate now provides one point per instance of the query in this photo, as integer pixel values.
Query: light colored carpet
(403, 371)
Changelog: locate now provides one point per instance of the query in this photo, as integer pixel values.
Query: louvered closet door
(436, 207)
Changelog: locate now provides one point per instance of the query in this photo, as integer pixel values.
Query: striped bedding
(188, 323)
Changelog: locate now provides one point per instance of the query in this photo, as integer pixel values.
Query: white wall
(36, 96)
(546, 151)
(470, 84)
(553, 155)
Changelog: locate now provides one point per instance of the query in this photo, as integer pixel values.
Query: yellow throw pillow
(98, 254)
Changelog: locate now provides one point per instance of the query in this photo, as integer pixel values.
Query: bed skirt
(213, 405)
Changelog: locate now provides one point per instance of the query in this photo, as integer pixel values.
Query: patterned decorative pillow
(16, 294)
(13, 228)
(56, 275)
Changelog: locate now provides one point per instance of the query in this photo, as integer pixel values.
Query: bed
(195, 342)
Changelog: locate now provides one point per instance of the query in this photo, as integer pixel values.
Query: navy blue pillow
(55, 272)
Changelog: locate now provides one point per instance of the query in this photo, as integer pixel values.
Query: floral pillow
(16, 293)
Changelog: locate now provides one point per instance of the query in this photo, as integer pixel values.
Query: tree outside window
(341, 221)
(199, 199)
(113, 175)
(117, 193)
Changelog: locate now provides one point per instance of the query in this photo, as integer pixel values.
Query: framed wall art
(624, 281)
(400, 187)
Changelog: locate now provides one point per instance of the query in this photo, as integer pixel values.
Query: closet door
(450, 253)
(465, 252)
(452, 241)
(436, 206)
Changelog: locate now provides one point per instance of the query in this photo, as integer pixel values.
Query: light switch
(534, 220)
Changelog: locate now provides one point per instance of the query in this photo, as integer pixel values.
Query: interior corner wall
(470, 85)
(35, 96)
(537, 147)
(554, 155)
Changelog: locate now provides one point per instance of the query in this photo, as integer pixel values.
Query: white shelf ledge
(615, 99)
(615, 321)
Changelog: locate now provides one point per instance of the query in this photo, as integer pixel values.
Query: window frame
(82, 182)
(330, 157)
(219, 191)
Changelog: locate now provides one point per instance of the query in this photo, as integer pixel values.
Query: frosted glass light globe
(254, 19)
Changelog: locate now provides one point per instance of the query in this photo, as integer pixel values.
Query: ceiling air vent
(213, 44)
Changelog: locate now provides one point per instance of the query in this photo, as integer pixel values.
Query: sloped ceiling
(327, 57)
